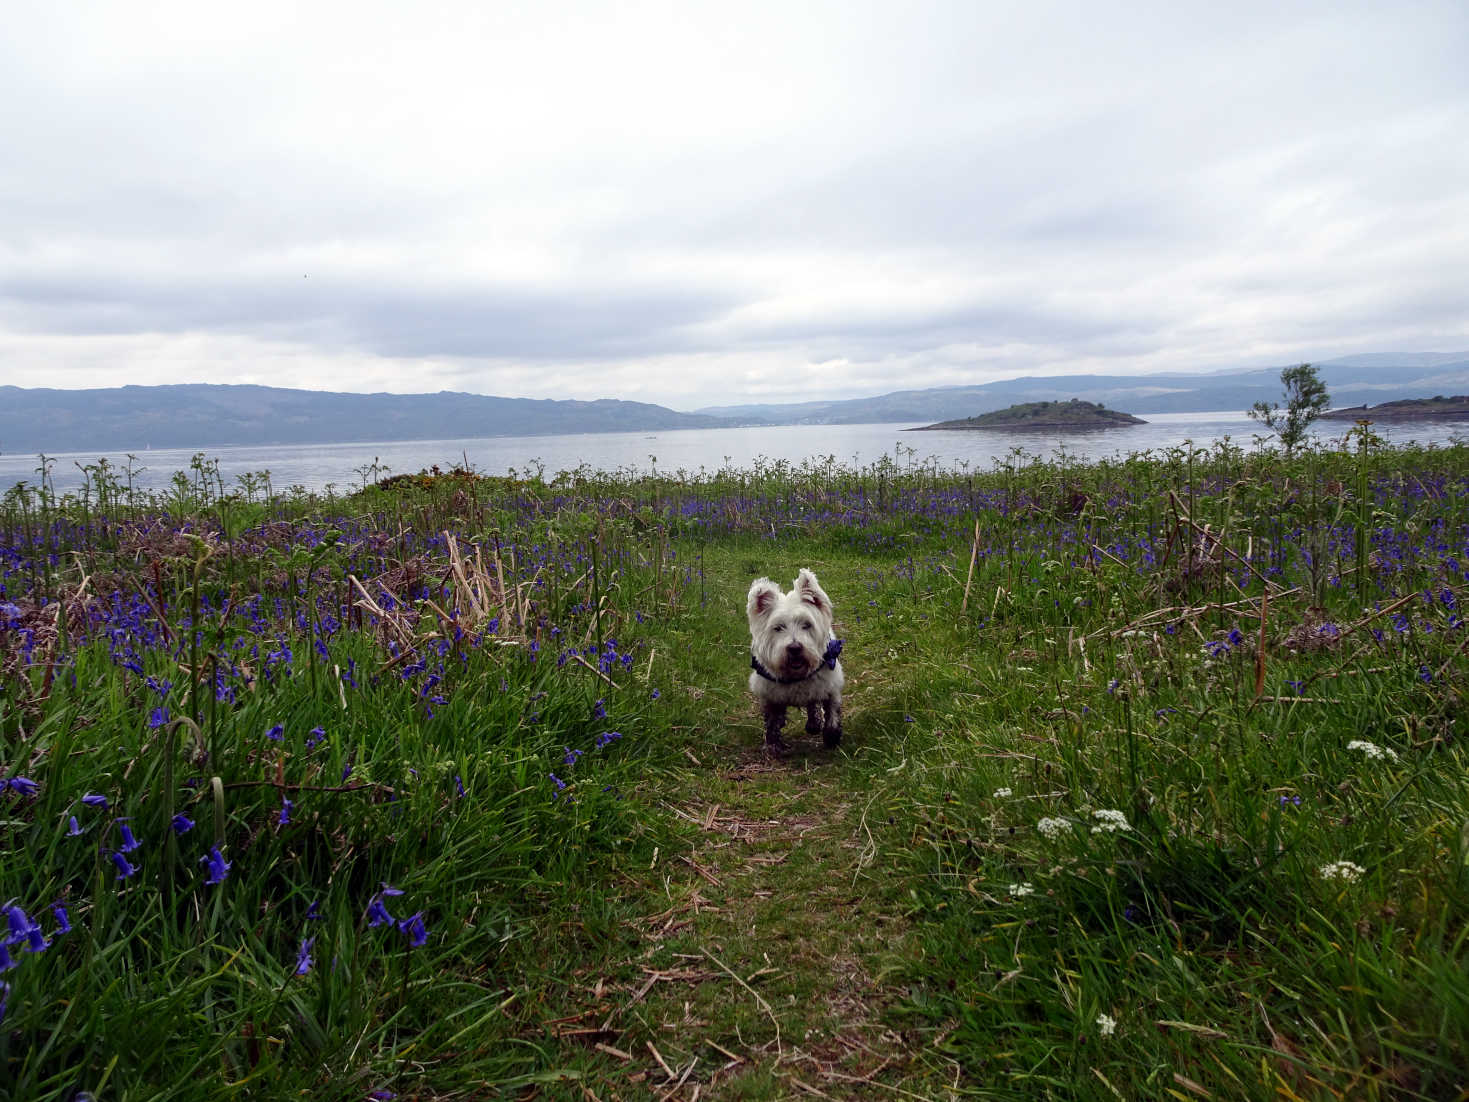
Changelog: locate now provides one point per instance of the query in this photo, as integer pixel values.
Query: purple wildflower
(74, 828)
(276, 733)
(219, 868)
(35, 940)
(20, 924)
(129, 843)
(377, 912)
(63, 921)
(23, 786)
(285, 816)
(303, 956)
(125, 868)
(92, 799)
(158, 716)
(182, 824)
(314, 738)
(414, 930)
(459, 784)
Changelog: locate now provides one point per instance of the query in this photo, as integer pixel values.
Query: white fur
(789, 634)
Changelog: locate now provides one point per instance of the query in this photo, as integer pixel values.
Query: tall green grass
(1168, 749)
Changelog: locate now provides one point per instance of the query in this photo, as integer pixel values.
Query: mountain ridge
(1163, 392)
(185, 415)
(204, 415)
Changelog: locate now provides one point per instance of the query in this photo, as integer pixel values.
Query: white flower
(1106, 1024)
(1001, 793)
(1022, 889)
(1109, 820)
(1052, 828)
(1341, 870)
(1372, 750)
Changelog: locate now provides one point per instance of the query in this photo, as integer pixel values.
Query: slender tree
(1305, 398)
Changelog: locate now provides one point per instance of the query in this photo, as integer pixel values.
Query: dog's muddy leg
(831, 735)
(813, 718)
(775, 719)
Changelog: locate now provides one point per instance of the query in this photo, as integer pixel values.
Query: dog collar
(828, 661)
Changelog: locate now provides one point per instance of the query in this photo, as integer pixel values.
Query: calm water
(343, 465)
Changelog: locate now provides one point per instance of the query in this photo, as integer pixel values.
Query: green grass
(686, 916)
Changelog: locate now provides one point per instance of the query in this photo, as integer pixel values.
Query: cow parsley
(1109, 820)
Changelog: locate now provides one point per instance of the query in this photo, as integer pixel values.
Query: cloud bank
(698, 204)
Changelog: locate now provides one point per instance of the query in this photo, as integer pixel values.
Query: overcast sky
(694, 203)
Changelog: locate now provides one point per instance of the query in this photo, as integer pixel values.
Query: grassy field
(1153, 785)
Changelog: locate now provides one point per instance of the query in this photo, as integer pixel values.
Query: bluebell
(125, 868)
(414, 930)
(303, 956)
(219, 868)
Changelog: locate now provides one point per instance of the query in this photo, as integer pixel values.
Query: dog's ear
(811, 592)
(763, 595)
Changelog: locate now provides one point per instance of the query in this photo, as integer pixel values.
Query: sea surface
(345, 467)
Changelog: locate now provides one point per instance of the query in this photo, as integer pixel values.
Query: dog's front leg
(775, 719)
(813, 718)
(831, 735)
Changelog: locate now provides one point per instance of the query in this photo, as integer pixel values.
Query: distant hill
(1381, 378)
(1411, 409)
(1074, 414)
(202, 415)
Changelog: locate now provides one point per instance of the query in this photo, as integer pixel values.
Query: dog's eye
(805, 625)
(778, 627)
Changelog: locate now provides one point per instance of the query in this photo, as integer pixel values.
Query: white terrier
(793, 653)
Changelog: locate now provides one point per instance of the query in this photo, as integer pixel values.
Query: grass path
(753, 956)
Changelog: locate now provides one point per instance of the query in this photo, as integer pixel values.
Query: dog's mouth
(795, 664)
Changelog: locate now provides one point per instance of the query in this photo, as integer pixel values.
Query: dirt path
(761, 959)
(757, 967)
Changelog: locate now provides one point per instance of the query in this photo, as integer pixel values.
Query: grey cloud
(574, 322)
(1060, 182)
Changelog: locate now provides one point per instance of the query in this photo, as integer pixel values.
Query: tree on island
(1305, 398)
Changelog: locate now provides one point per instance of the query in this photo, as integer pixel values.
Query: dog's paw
(777, 747)
(813, 724)
(832, 738)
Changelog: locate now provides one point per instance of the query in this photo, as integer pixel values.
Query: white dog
(793, 653)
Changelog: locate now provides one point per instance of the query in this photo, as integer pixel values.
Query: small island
(1409, 409)
(1074, 414)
